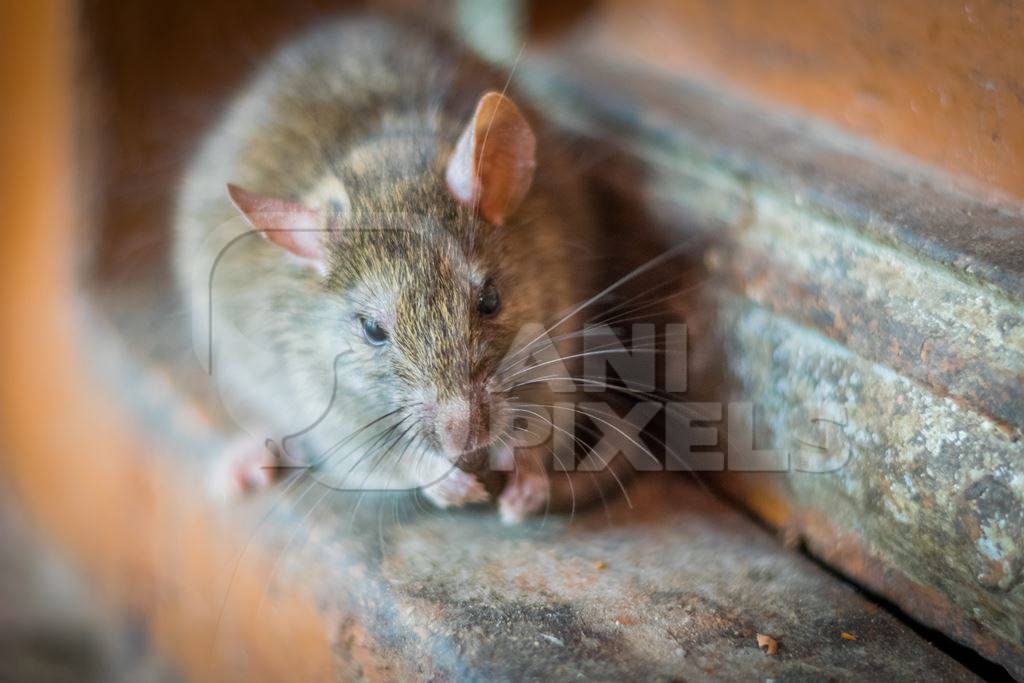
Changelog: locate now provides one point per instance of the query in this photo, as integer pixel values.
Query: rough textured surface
(679, 585)
(918, 481)
(865, 293)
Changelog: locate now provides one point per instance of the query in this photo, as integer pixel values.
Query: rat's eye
(489, 301)
(373, 333)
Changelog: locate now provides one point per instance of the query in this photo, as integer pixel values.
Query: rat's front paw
(455, 489)
(526, 493)
(246, 465)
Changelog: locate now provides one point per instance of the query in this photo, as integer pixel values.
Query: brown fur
(379, 107)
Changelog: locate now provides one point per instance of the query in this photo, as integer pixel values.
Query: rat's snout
(463, 425)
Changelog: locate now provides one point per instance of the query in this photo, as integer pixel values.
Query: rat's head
(423, 301)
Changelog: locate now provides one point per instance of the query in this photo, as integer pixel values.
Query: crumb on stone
(768, 644)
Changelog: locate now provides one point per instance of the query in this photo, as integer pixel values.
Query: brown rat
(422, 232)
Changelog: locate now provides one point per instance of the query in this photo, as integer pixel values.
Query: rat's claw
(455, 489)
(526, 493)
(246, 465)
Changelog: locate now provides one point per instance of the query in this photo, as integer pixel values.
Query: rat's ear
(300, 230)
(492, 166)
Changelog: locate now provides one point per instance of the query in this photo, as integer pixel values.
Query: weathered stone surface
(916, 479)
(676, 586)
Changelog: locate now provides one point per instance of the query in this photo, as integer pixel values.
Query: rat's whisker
(591, 353)
(287, 546)
(283, 494)
(677, 278)
(327, 454)
(601, 384)
(649, 309)
(363, 490)
(377, 460)
(607, 465)
(583, 333)
(371, 449)
(593, 415)
(540, 464)
(578, 442)
(676, 250)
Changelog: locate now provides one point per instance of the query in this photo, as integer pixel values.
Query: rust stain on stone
(991, 517)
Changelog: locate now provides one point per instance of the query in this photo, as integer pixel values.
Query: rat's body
(354, 127)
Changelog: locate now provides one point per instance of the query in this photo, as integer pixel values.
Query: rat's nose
(454, 420)
(462, 426)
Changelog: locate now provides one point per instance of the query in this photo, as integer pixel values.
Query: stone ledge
(679, 585)
(889, 268)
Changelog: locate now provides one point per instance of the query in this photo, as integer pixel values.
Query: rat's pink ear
(298, 229)
(492, 166)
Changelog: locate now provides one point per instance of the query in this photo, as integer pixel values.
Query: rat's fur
(359, 118)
